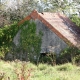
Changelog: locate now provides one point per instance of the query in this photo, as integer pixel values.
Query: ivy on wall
(30, 42)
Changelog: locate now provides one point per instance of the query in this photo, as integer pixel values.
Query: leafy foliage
(49, 58)
(76, 20)
(20, 70)
(7, 34)
(29, 40)
(65, 67)
(70, 54)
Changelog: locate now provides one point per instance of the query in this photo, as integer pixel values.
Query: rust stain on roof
(60, 25)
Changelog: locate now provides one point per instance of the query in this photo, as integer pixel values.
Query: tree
(77, 1)
(18, 9)
(15, 10)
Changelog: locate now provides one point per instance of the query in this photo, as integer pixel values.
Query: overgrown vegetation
(76, 20)
(7, 34)
(49, 58)
(30, 42)
(70, 54)
(17, 70)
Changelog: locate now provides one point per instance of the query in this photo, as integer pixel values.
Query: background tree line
(15, 10)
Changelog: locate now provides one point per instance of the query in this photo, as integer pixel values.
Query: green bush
(30, 42)
(70, 54)
(7, 34)
(49, 58)
(75, 19)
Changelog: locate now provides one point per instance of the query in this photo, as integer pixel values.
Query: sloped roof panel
(64, 26)
(60, 25)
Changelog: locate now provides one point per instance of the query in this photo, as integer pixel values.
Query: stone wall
(50, 41)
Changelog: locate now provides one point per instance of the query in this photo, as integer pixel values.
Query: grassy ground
(17, 70)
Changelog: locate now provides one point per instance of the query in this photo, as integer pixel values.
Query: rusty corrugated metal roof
(60, 25)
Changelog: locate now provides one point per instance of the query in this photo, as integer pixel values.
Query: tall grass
(16, 70)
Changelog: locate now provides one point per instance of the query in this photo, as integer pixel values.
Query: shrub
(30, 42)
(49, 58)
(70, 54)
(7, 34)
(76, 20)
(65, 67)
(42, 67)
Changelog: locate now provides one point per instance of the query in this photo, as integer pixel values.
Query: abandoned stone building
(58, 31)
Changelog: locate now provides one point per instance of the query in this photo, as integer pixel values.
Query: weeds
(65, 67)
(1, 75)
(17, 70)
(23, 73)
